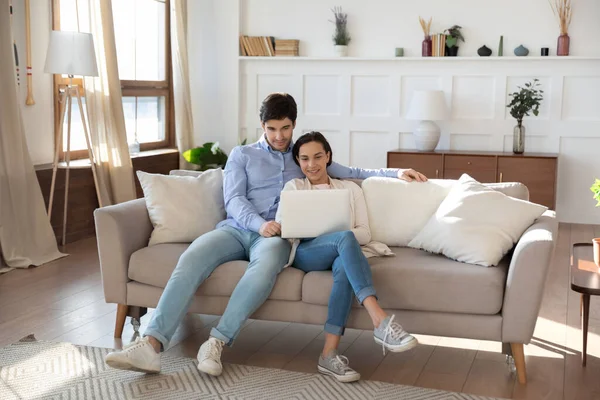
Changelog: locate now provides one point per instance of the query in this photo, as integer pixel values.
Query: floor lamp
(70, 53)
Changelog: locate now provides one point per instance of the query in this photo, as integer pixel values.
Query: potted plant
(596, 241)
(341, 36)
(453, 36)
(208, 156)
(527, 99)
(562, 10)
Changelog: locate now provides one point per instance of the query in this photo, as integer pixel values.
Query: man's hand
(269, 229)
(410, 175)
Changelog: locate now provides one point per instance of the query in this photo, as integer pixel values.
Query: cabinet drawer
(538, 174)
(483, 176)
(428, 164)
(468, 163)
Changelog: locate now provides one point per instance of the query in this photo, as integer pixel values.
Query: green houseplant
(341, 36)
(208, 156)
(453, 36)
(596, 241)
(524, 101)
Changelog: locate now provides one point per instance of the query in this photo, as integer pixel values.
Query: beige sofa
(429, 294)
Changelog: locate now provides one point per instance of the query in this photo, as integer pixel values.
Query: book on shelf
(267, 46)
(438, 45)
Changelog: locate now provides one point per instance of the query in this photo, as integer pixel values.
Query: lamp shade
(71, 53)
(428, 105)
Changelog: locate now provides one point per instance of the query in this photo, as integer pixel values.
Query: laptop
(311, 213)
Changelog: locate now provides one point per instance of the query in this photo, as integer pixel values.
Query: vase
(484, 51)
(563, 45)
(519, 139)
(521, 51)
(426, 47)
(340, 50)
(596, 244)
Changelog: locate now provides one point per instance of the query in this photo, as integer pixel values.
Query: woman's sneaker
(209, 357)
(393, 337)
(137, 356)
(336, 365)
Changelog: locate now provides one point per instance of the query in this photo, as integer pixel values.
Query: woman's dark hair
(311, 137)
(278, 106)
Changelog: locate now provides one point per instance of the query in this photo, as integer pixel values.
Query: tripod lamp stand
(70, 53)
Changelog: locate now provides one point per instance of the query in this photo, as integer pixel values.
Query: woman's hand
(410, 175)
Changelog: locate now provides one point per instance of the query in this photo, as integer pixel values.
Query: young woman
(342, 253)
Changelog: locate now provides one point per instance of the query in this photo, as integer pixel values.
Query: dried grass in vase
(426, 26)
(563, 11)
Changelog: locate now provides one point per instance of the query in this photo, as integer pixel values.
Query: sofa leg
(121, 317)
(519, 356)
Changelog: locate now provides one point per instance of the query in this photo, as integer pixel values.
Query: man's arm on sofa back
(526, 279)
(121, 230)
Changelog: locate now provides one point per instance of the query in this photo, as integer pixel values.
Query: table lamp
(70, 53)
(427, 106)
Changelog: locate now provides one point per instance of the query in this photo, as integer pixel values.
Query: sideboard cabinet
(537, 171)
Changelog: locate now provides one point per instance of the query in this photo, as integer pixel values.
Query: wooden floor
(63, 301)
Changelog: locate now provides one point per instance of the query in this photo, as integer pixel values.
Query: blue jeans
(267, 257)
(340, 252)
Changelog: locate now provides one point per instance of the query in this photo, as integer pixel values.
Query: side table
(585, 279)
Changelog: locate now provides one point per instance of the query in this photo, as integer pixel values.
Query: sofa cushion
(398, 210)
(417, 280)
(154, 265)
(476, 224)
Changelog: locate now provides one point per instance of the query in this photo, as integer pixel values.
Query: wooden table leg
(585, 300)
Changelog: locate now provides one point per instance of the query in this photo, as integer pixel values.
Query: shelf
(422, 59)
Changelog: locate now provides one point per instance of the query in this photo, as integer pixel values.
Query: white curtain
(26, 236)
(184, 123)
(105, 107)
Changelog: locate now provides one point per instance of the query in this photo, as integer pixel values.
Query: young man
(253, 179)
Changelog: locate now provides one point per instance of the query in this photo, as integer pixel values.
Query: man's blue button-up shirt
(254, 178)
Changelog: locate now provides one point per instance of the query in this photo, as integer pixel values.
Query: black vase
(484, 51)
(452, 51)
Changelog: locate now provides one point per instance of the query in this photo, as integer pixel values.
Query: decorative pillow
(475, 224)
(398, 210)
(183, 208)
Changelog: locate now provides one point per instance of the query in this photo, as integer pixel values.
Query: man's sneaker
(336, 365)
(392, 337)
(209, 357)
(137, 356)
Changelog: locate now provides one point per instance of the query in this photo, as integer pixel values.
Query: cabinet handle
(501, 177)
(468, 162)
(437, 173)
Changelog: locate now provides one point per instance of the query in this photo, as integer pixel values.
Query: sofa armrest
(121, 230)
(526, 279)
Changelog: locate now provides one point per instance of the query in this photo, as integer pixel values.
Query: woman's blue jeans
(340, 252)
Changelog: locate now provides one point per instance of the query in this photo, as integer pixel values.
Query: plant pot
(563, 45)
(426, 47)
(452, 51)
(519, 139)
(596, 244)
(340, 50)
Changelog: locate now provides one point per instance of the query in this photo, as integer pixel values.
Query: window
(143, 57)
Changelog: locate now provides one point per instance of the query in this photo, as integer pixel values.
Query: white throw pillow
(398, 210)
(476, 225)
(182, 208)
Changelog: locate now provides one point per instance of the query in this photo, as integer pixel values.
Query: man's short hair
(278, 106)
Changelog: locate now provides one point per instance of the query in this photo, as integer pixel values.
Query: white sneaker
(209, 357)
(137, 356)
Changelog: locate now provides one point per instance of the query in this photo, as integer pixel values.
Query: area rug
(32, 369)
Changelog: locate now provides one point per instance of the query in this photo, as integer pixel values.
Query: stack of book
(438, 45)
(286, 47)
(257, 46)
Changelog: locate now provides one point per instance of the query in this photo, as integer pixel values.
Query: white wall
(38, 118)
(378, 26)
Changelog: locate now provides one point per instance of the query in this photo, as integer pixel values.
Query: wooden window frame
(128, 88)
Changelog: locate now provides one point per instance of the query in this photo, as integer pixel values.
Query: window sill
(85, 162)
